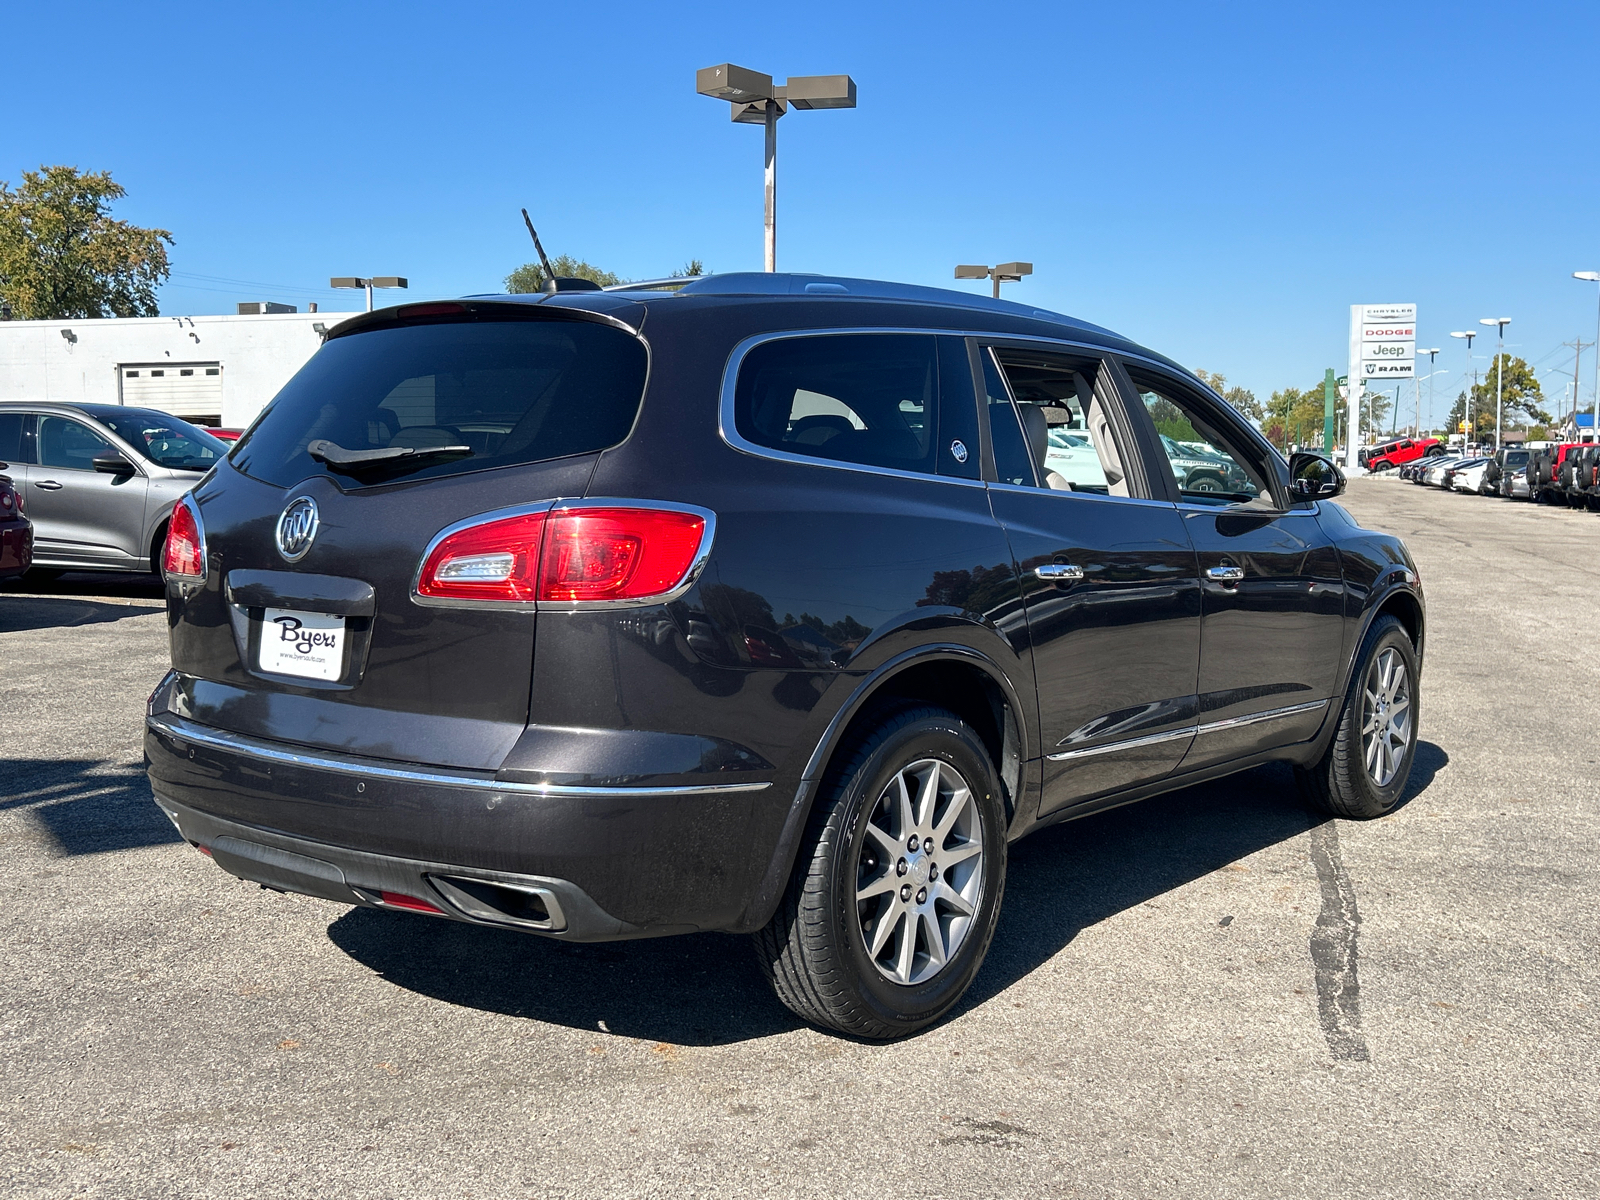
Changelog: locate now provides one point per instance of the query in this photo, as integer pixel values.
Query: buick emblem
(297, 528)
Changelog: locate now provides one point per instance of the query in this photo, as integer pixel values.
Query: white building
(217, 370)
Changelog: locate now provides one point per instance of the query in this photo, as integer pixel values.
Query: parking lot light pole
(1009, 272)
(380, 281)
(1432, 354)
(1499, 370)
(756, 100)
(1590, 277)
(1466, 409)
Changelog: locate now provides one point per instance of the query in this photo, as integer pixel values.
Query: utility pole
(1577, 345)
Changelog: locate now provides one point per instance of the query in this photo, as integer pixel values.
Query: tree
(63, 256)
(693, 267)
(529, 277)
(1294, 416)
(1241, 398)
(1522, 394)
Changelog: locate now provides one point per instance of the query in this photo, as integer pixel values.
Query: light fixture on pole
(1499, 370)
(1431, 373)
(1466, 408)
(1009, 272)
(756, 100)
(380, 281)
(1589, 277)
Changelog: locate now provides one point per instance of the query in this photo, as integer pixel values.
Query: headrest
(1037, 430)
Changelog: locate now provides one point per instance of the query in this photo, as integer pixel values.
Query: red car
(1404, 450)
(227, 435)
(16, 531)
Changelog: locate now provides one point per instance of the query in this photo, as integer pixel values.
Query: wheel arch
(947, 675)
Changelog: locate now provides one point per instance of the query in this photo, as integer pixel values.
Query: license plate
(307, 644)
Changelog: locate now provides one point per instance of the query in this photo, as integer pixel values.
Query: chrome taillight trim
(189, 581)
(689, 578)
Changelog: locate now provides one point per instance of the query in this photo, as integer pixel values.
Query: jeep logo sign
(297, 528)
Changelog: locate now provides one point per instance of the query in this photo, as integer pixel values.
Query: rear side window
(11, 438)
(511, 392)
(867, 398)
(67, 444)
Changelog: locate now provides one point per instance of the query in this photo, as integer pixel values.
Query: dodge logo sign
(297, 528)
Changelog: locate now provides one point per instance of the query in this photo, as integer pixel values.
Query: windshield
(164, 439)
(513, 391)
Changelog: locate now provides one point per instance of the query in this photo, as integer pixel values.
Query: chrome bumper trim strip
(236, 743)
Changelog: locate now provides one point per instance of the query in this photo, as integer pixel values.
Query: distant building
(1578, 428)
(216, 370)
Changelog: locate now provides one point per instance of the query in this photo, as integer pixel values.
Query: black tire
(814, 950)
(1341, 783)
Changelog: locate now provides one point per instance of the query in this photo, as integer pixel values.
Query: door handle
(1226, 575)
(49, 485)
(1054, 572)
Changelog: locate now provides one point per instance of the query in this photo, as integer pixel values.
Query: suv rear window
(515, 391)
(870, 399)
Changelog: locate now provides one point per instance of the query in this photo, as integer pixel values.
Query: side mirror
(1312, 477)
(113, 464)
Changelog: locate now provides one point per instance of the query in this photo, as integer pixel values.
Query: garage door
(192, 390)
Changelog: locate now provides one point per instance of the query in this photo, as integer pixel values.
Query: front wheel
(893, 903)
(1366, 766)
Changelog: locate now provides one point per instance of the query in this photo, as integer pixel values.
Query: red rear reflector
(429, 310)
(203, 849)
(577, 553)
(182, 555)
(617, 553)
(399, 900)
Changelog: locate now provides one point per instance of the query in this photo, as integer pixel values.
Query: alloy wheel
(1386, 717)
(919, 878)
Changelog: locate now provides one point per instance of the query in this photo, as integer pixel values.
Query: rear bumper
(16, 547)
(616, 862)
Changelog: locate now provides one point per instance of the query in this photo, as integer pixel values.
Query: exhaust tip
(502, 903)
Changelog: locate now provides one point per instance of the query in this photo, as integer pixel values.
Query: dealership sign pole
(1383, 346)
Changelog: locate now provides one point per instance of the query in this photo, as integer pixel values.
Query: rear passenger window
(865, 398)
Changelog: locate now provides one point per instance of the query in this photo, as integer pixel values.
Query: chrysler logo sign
(297, 528)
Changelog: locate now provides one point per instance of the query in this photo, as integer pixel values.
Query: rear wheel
(894, 900)
(1369, 760)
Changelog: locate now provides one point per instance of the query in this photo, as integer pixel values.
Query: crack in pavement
(1333, 950)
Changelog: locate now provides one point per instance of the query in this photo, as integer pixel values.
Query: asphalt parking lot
(1214, 993)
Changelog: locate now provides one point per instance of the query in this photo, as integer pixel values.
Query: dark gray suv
(749, 604)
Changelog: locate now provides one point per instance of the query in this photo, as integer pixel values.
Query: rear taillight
(184, 556)
(617, 553)
(496, 561)
(581, 553)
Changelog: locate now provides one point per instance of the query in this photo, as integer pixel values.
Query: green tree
(692, 268)
(1241, 398)
(529, 277)
(1293, 416)
(1522, 398)
(63, 256)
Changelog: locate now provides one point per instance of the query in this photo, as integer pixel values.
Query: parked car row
(1565, 473)
(100, 482)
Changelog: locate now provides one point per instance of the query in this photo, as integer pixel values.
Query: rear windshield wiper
(351, 461)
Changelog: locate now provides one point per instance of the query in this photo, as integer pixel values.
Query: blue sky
(1218, 181)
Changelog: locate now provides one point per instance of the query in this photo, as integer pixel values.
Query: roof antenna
(549, 273)
(553, 283)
